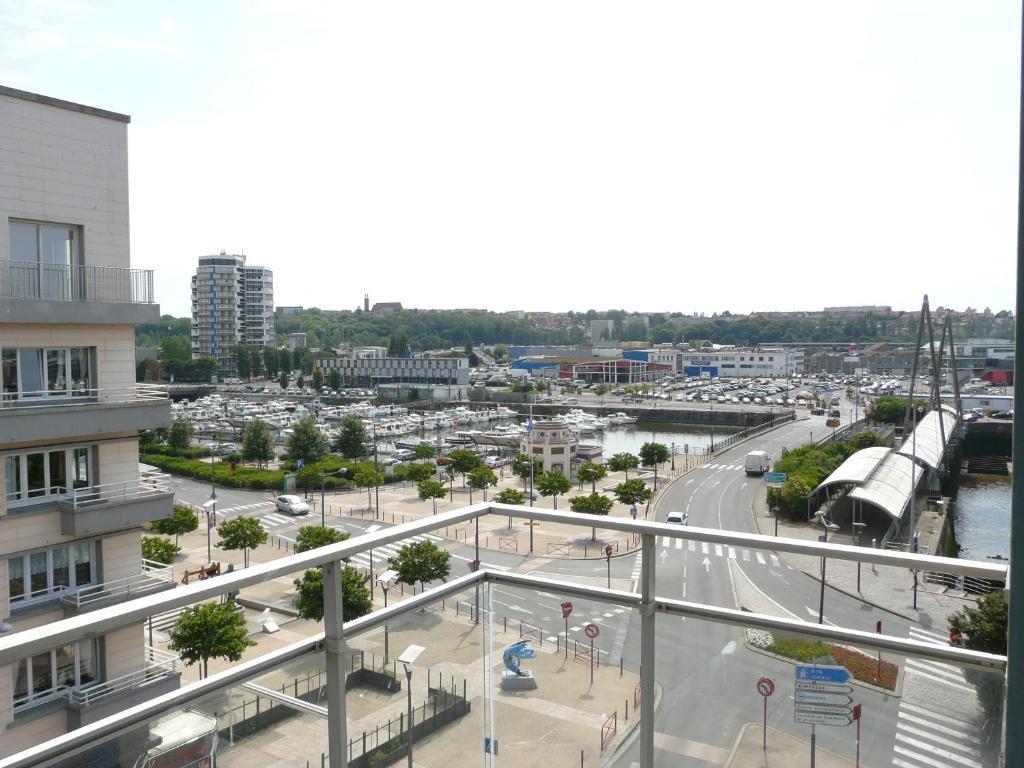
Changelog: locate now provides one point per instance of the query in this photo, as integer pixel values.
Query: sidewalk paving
(784, 751)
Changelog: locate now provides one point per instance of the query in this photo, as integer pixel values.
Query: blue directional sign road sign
(822, 673)
(774, 479)
(816, 697)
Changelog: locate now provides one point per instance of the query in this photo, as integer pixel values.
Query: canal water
(981, 516)
(630, 438)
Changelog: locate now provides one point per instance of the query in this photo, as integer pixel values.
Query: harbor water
(981, 517)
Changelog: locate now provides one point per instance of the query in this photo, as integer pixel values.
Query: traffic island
(783, 751)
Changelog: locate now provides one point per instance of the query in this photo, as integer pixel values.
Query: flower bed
(863, 667)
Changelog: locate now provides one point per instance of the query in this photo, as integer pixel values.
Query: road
(705, 672)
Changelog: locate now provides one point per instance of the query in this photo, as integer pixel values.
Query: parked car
(292, 505)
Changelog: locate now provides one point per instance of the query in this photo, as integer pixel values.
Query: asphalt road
(705, 672)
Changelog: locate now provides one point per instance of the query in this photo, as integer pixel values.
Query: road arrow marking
(814, 612)
(707, 565)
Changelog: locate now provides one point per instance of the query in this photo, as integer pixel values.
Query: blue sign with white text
(822, 674)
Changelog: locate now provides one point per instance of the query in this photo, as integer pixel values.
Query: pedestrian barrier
(508, 544)
(609, 729)
(562, 550)
(531, 632)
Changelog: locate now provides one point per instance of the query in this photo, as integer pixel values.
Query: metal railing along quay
(75, 282)
(332, 641)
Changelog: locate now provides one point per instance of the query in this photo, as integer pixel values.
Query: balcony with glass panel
(97, 509)
(51, 394)
(550, 665)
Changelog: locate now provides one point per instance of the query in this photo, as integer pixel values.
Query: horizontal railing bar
(85, 737)
(750, 620)
(819, 549)
(44, 638)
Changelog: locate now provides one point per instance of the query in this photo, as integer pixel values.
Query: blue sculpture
(515, 653)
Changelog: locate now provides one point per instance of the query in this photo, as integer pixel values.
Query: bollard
(627, 710)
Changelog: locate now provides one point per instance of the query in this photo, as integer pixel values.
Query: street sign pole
(856, 716)
(765, 687)
(566, 613)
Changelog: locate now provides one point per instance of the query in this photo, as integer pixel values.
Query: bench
(203, 572)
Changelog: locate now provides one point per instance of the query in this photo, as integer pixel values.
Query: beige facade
(63, 257)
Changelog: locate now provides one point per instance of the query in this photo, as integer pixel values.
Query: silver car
(292, 505)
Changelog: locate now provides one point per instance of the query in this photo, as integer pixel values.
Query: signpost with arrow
(822, 696)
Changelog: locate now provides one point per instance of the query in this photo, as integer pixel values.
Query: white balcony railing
(132, 393)
(159, 666)
(76, 282)
(141, 487)
(153, 576)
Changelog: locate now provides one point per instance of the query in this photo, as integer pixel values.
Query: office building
(232, 304)
(74, 500)
(372, 370)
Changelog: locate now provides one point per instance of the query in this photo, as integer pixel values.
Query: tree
(366, 477)
(421, 561)
(356, 599)
(352, 438)
(283, 381)
(210, 631)
(243, 533)
(244, 361)
(257, 442)
(480, 479)
(182, 520)
(318, 379)
(176, 348)
(890, 409)
(334, 379)
(553, 484)
(523, 467)
(424, 451)
(307, 442)
(271, 362)
(464, 461)
(300, 382)
(313, 536)
(419, 472)
(632, 492)
(296, 359)
(594, 504)
(179, 436)
(510, 496)
(589, 472)
(159, 549)
(981, 628)
(398, 344)
(309, 477)
(623, 462)
(431, 489)
(499, 351)
(653, 454)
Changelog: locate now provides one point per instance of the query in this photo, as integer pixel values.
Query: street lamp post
(821, 516)
(385, 580)
(409, 655)
(673, 457)
(857, 528)
(376, 476)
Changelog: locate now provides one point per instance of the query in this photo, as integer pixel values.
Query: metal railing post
(334, 649)
(647, 630)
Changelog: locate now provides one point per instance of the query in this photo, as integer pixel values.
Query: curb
(629, 735)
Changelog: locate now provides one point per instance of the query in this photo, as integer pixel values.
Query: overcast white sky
(556, 155)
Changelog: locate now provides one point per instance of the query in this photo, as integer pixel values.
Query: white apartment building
(232, 304)
(371, 371)
(70, 415)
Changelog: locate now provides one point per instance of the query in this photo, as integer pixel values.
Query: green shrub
(159, 549)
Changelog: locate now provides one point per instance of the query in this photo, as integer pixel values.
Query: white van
(757, 463)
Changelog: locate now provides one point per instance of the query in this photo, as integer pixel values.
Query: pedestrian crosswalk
(723, 466)
(275, 519)
(937, 725)
(724, 551)
(247, 507)
(381, 554)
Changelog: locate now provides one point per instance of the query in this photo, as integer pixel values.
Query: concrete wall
(122, 555)
(124, 652)
(68, 167)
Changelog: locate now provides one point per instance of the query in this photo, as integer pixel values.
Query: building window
(48, 674)
(43, 257)
(35, 474)
(42, 372)
(38, 575)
